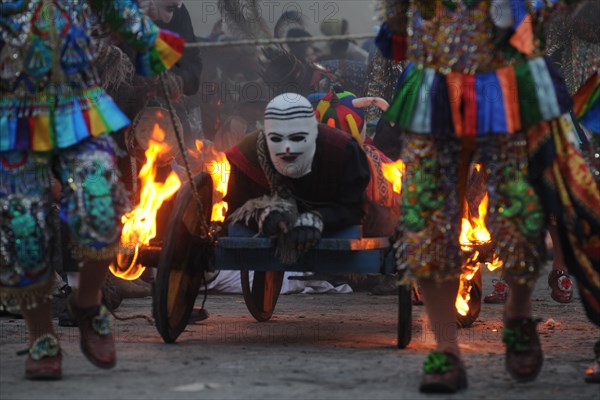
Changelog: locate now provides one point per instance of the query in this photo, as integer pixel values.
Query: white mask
(291, 133)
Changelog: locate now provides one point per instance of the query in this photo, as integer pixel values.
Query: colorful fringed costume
(478, 88)
(337, 110)
(54, 121)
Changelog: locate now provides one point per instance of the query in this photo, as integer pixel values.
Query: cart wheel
(404, 315)
(183, 260)
(465, 321)
(261, 299)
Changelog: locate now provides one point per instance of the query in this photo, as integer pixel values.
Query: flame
(473, 232)
(139, 225)
(393, 173)
(495, 263)
(464, 289)
(218, 168)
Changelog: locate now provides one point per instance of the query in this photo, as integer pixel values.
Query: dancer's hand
(305, 237)
(306, 232)
(272, 223)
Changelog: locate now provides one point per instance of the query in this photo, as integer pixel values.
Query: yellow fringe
(13, 298)
(82, 253)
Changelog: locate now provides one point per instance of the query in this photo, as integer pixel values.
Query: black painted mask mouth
(289, 157)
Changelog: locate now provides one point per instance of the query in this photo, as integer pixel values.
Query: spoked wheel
(262, 297)
(182, 262)
(404, 315)
(475, 291)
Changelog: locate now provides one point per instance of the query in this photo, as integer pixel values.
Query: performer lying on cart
(296, 178)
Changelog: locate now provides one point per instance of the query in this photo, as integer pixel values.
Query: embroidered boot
(561, 286)
(498, 296)
(443, 373)
(97, 342)
(524, 356)
(44, 359)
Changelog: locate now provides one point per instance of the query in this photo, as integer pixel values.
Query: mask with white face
(291, 130)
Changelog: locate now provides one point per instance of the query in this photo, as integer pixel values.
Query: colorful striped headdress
(337, 111)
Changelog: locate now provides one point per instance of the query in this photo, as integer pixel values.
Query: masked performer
(479, 89)
(55, 119)
(296, 178)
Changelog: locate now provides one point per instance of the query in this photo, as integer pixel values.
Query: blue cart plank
(376, 243)
(366, 261)
(347, 252)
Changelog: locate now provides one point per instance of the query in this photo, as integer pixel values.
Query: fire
(473, 234)
(218, 168)
(393, 173)
(495, 263)
(139, 225)
(464, 288)
(474, 230)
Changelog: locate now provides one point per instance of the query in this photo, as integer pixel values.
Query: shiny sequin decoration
(101, 322)
(11, 62)
(44, 346)
(13, 7)
(98, 201)
(28, 235)
(14, 21)
(92, 204)
(72, 57)
(38, 60)
(49, 17)
(23, 241)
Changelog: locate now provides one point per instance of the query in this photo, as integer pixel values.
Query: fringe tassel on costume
(17, 298)
(114, 66)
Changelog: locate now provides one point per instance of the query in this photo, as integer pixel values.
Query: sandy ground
(339, 346)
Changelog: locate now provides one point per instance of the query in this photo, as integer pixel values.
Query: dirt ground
(339, 346)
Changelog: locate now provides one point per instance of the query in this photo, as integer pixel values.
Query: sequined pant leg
(26, 268)
(515, 217)
(93, 198)
(427, 232)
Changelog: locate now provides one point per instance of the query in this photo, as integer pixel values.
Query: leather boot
(97, 342)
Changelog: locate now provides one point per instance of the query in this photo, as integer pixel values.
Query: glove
(306, 232)
(305, 238)
(271, 223)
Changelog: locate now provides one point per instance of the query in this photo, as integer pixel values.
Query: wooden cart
(185, 255)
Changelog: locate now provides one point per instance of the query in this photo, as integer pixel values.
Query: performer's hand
(273, 223)
(305, 237)
(306, 232)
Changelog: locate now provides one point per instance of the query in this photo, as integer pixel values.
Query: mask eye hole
(299, 137)
(275, 139)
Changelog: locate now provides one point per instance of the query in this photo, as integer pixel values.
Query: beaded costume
(478, 89)
(54, 121)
